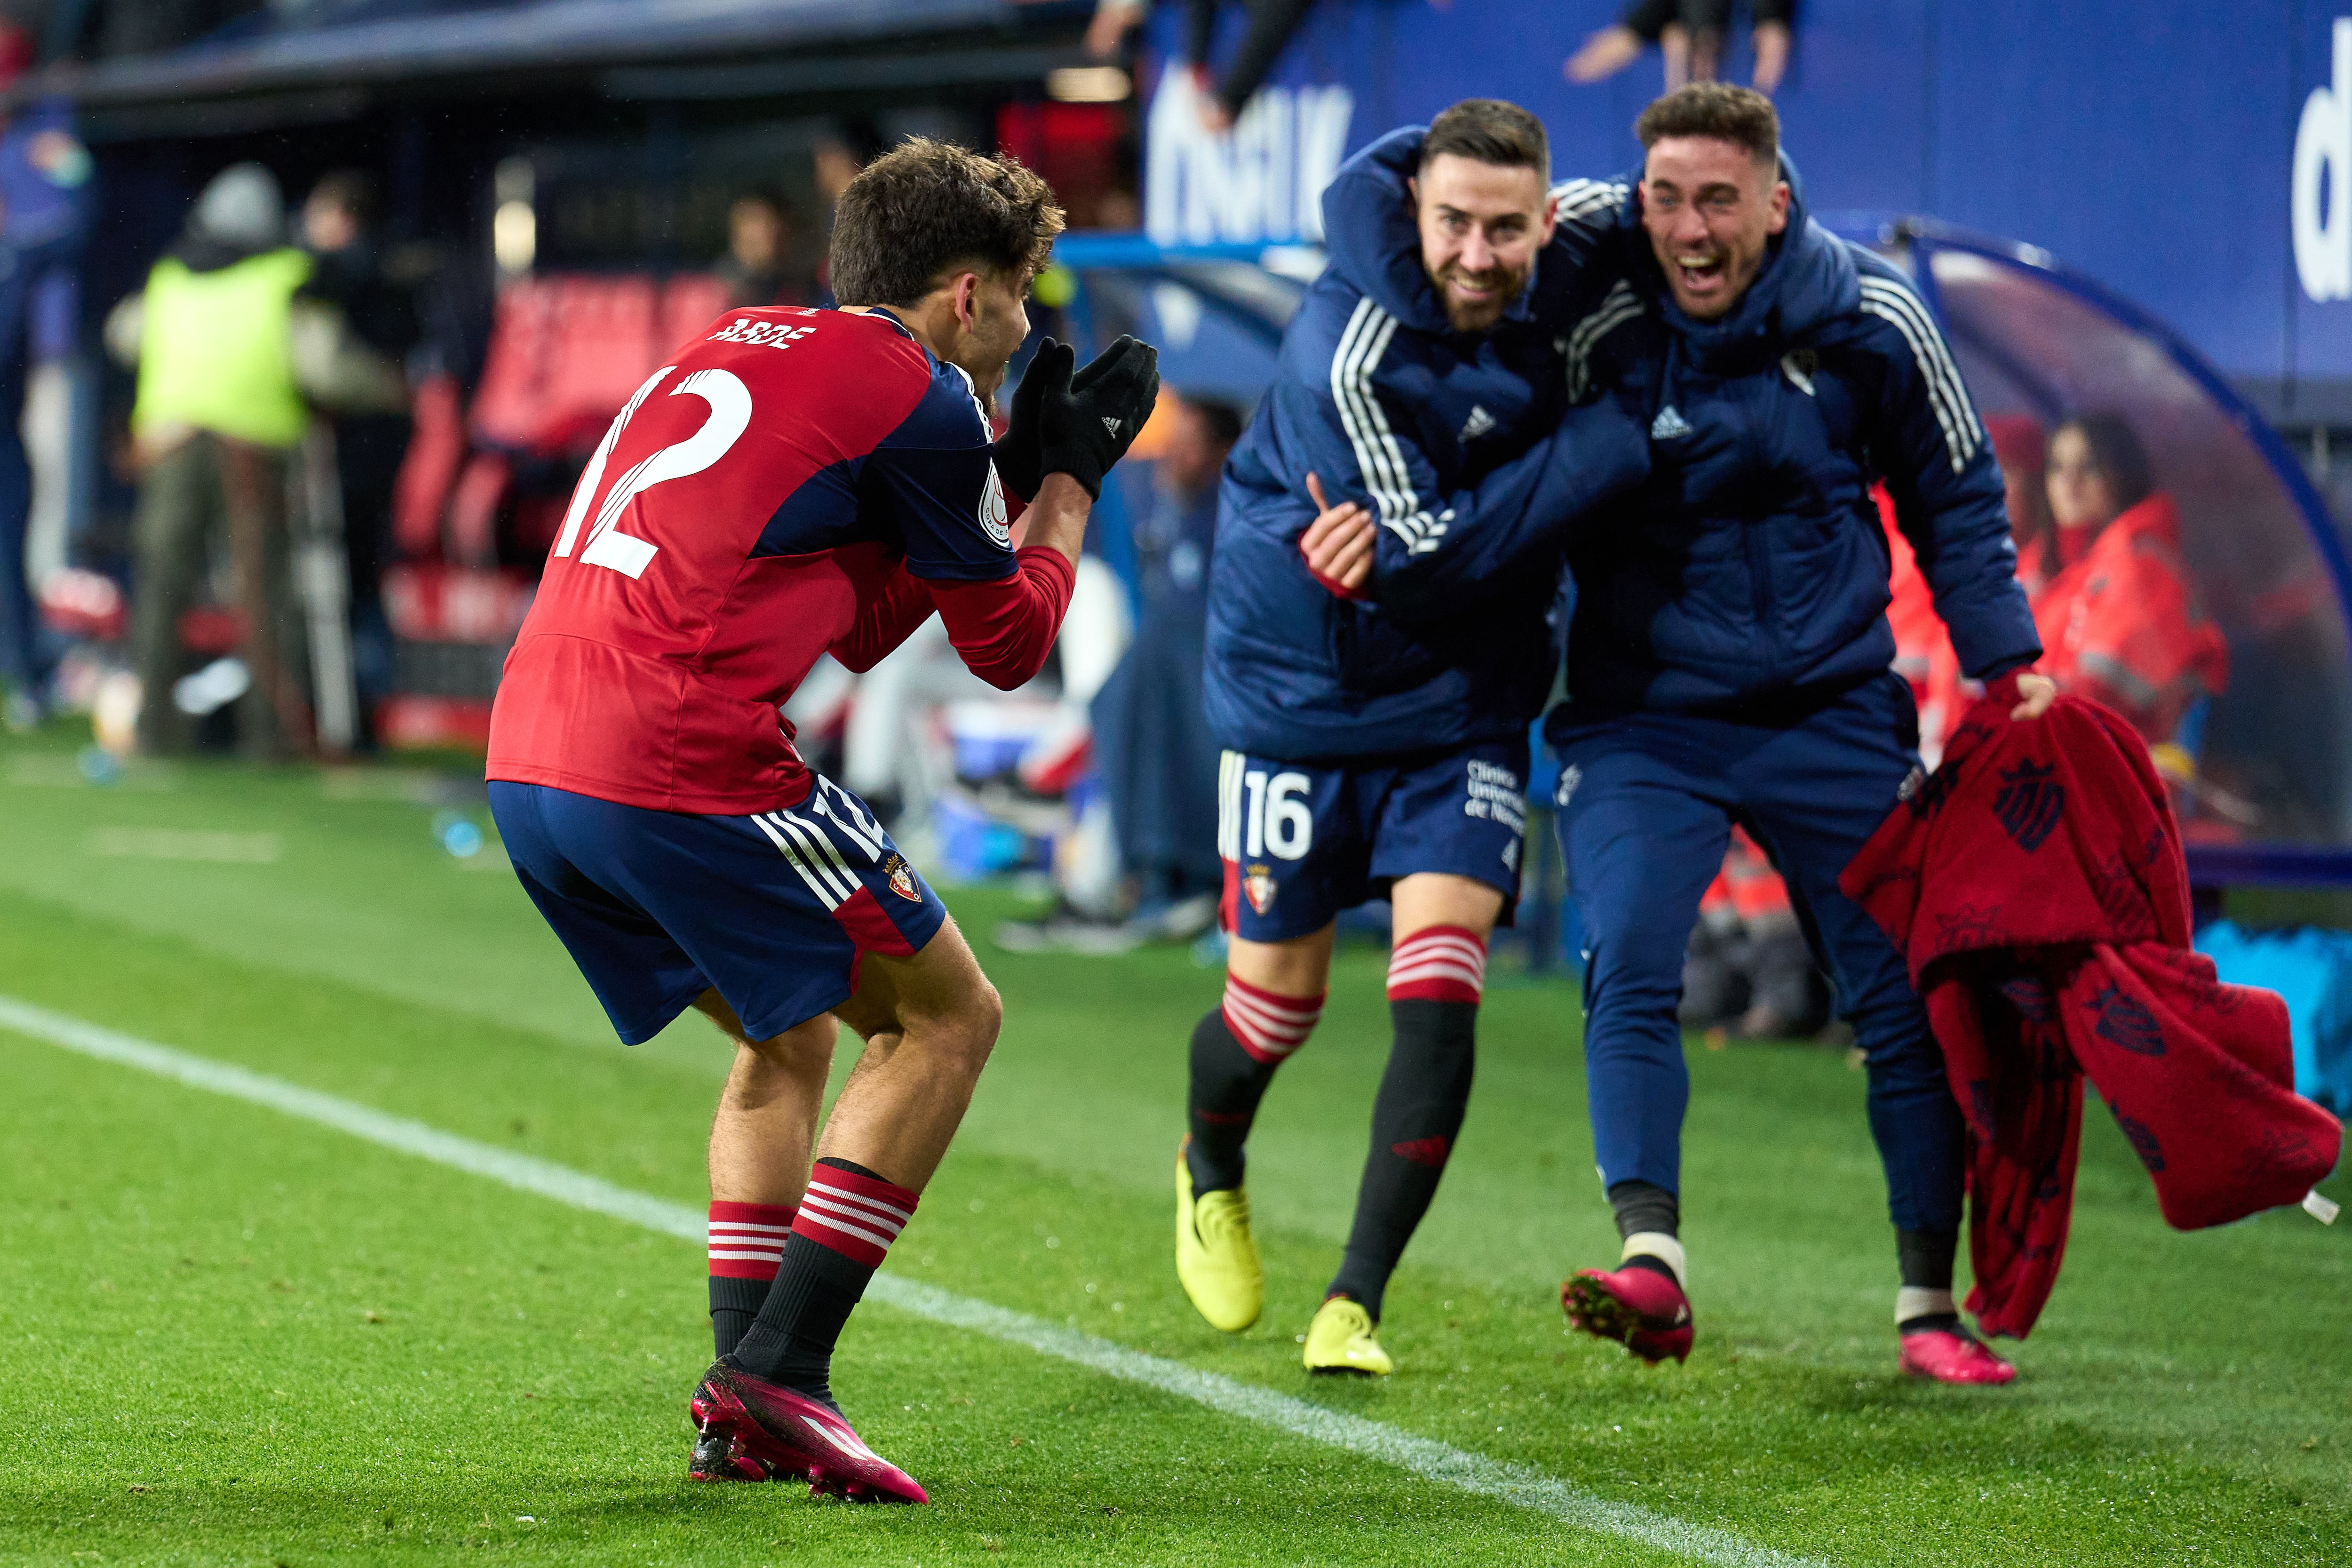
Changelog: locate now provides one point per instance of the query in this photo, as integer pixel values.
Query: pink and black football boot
(1953, 1355)
(1640, 1308)
(775, 1433)
(714, 1460)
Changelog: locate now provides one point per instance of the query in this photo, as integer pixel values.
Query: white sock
(1657, 1244)
(1915, 1301)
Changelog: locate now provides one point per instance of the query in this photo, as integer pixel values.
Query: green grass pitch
(229, 1336)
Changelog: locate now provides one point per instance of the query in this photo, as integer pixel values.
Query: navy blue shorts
(773, 910)
(1301, 842)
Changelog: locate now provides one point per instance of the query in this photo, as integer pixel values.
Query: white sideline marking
(1518, 1484)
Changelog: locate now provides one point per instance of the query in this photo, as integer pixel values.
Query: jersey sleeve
(883, 622)
(1945, 485)
(935, 477)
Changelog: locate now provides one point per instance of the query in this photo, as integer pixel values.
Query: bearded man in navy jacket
(1729, 663)
(1380, 751)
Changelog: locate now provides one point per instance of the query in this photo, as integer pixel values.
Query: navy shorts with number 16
(1301, 841)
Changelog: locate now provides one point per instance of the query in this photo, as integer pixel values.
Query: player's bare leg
(1437, 966)
(930, 1022)
(762, 1136)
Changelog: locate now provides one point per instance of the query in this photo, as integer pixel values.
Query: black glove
(1088, 425)
(1016, 451)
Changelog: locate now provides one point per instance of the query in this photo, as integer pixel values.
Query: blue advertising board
(2190, 157)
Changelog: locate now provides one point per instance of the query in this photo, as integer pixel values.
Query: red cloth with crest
(2035, 886)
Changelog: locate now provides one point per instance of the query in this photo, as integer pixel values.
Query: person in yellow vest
(224, 352)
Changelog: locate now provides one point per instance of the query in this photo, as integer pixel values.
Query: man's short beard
(1487, 316)
(1484, 321)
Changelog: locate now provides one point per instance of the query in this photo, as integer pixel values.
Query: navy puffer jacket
(1460, 444)
(1750, 569)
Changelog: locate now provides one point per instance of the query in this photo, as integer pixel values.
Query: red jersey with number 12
(770, 483)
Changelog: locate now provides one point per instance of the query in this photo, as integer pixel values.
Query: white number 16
(731, 413)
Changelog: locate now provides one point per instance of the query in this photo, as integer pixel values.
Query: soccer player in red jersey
(796, 482)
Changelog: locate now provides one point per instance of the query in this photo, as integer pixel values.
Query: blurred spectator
(1152, 749)
(1747, 970)
(1153, 752)
(44, 217)
(339, 229)
(833, 162)
(2119, 618)
(1689, 35)
(1271, 24)
(756, 268)
(1923, 647)
(225, 353)
(2017, 443)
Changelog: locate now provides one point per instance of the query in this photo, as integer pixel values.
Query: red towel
(2034, 885)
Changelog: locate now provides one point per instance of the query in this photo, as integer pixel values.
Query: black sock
(1227, 1084)
(733, 1304)
(1644, 1207)
(816, 1287)
(1925, 1258)
(1416, 1119)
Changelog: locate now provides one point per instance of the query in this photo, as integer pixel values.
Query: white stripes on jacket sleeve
(1387, 477)
(1896, 303)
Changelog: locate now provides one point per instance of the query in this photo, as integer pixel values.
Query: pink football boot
(778, 1433)
(1953, 1355)
(1641, 1307)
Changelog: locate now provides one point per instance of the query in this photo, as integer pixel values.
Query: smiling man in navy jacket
(1728, 662)
(1379, 752)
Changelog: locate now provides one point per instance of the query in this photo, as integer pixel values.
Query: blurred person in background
(230, 356)
(833, 162)
(1220, 102)
(219, 412)
(348, 274)
(2017, 444)
(2117, 615)
(757, 267)
(1688, 35)
(45, 213)
(1152, 745)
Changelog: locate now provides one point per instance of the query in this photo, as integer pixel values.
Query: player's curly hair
(925, 209)
(1738, 115)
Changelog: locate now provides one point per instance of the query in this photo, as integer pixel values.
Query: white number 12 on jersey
(731, 413)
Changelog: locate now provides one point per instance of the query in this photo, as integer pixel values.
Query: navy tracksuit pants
(1645, 804)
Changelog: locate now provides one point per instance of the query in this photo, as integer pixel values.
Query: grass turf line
(289, 1349)
(2167, 1407)
(1432, 1461)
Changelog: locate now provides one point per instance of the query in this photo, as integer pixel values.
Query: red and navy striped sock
(1236, 1049)
(1435, 978)
(747, 1243)
(848, 1220)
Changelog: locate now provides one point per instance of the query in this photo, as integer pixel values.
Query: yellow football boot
(1341, 1339)
(1215, 1256)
